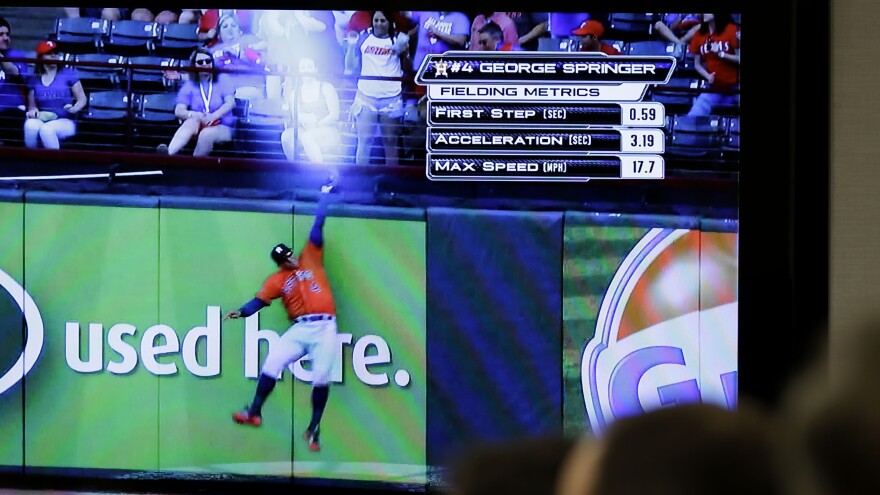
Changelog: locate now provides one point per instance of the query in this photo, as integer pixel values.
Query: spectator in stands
(716, 57)
(55, 98)
(380, 51)
(692, 449)
(209, 23)
(525, 466)
(204, 104)
(590, 33)
(190, 16)
(362, 21)
(157, 15)
(314, 106)
(107, 14)
(678, 28)
(314, 35)
(435, 33)
(13, 90)
(491, 38)
(237, 50)
(530, 26)
(506, 24)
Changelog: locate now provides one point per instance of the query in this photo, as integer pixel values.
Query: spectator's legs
(187, 130)
(287, 143)
(52, 132)
(703, 104)
(209, 137)
(32, 132)
(366, 121)
(71, 12)
(390, 130)
(309, 140)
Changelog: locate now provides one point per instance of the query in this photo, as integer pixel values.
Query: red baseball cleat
(244, 418)
(312, 438)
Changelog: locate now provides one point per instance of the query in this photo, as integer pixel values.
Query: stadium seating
(154, 119)
(94, 78)
(258, 133)
(104, 122)
(677, 95)
(150, 80)
(79, 35)
(176, 40)
(627, 26)
(130, 38)
(655, 48)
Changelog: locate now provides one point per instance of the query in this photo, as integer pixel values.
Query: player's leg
(285, 351)
(323, 353)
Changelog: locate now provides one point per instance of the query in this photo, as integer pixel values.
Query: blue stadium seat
(258, 134)
(107, 105)
(150, 80)
(157, 108)
(98, 78)
(79, 35)
(154, 122)
(176, 40)
(677, 95)
(698, 131)
(130, 38)
(104, 122)
(654, 48)
(630, 26)
(733, 132)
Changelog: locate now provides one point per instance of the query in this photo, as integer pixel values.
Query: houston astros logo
(666, 331)
(34, 342)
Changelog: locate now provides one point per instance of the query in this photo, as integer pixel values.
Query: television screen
(297, 246)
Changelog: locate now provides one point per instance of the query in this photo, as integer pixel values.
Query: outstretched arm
(248, 309)
(316, 236)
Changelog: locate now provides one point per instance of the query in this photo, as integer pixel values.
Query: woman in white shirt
(316, 110)
(379, 51)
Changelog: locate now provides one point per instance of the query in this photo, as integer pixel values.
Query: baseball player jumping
(302, 286)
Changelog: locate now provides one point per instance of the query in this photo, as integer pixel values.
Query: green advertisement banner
(89, 268)
(138, 371)
(11, 334)
(650, 320)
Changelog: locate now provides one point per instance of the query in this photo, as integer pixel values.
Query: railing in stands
(147, 91)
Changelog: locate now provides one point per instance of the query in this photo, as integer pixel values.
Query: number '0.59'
(642, 113)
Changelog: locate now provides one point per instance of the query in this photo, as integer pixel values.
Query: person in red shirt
(716, 57)
(591, 33)
(304, 289)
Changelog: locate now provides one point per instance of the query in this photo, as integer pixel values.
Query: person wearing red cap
(55, 98)
(591, 32)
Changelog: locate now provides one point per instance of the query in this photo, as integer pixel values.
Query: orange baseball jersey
(707, 46)
(303, 291)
